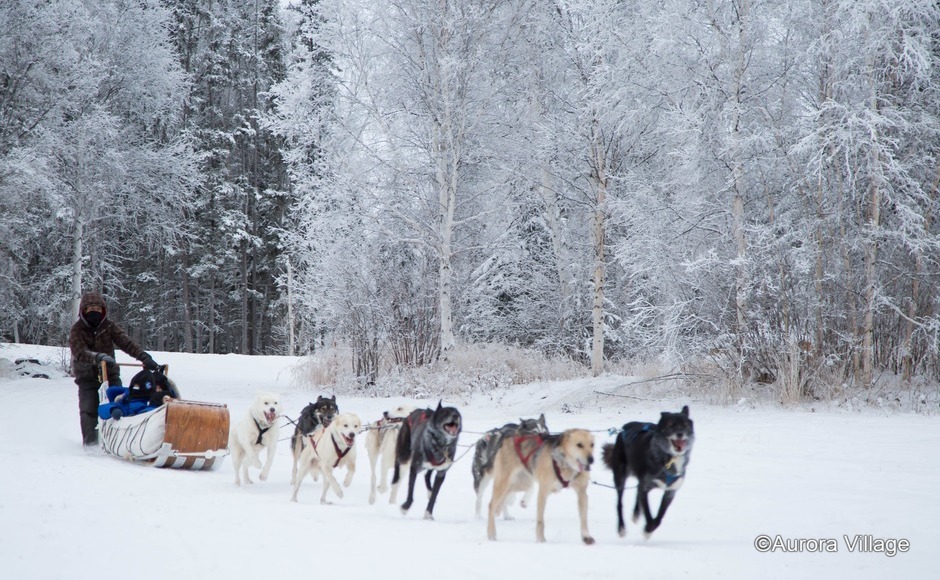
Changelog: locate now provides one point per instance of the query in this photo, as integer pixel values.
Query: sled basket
(179, 434)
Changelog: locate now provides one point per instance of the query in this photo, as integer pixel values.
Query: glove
(149, 363)
(102, 357)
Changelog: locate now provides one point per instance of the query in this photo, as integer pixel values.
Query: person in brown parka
(92, 341)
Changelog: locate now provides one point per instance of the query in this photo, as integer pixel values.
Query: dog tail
(295, 442)
(477, 466)
(402, 449)
(607, 455)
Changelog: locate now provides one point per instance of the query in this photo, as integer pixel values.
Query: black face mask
(93, 318)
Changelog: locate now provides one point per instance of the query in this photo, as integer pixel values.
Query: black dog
(152, 386)
(427, 440)
(657, 454)
(311, 417)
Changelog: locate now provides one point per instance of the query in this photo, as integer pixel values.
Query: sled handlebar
(165, 369)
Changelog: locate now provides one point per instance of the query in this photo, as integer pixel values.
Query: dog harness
(437, 463)
(339, 454)
(669, 478)
(261, 431)
(629, 437)
(526, 458)
(564, 482)
(421, 419)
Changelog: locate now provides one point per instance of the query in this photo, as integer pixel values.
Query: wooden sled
(179, 434)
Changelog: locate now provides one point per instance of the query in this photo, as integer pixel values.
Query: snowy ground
(67, 514)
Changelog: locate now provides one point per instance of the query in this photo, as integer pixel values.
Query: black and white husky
(311, 417)
(657, 454)
(427, 440)
(485, 450)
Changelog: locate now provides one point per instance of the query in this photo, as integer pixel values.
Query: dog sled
(177, 434)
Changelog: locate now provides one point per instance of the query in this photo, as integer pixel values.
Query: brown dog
(554, 461)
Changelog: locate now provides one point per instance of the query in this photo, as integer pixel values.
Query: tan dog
(380, 442)
(554, 462)
(328, 448)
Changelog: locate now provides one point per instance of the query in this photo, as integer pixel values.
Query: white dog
(256, 431)
(380, 442)
(328, 448)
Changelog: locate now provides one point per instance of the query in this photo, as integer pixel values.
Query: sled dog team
(516, 458)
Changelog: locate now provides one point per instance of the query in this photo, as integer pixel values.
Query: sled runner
(179, 434)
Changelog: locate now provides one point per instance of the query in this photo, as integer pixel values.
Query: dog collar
(564, 482)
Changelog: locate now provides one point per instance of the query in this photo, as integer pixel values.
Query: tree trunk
(562, 270)
(907, 349)
(77, 245)
(871, 244)
(600, 182)
(244, 300)
(211, 314)
(447, 154)
(737, 170)
(291, 348)
(187, 307)
(447, 199)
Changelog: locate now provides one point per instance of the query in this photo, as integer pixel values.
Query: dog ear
(439, 405)
(685, 410)
(542, 420)
(333, 398)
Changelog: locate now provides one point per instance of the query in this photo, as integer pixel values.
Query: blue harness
(630, 436)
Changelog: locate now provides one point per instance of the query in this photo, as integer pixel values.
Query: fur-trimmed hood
(92, 299)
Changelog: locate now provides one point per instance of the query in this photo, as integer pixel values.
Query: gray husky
(427, 440)
(485, 452)
(657, 454)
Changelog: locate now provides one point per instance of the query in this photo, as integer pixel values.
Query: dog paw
(588, 540)
(371, 499)
(622, 532)
(428, 516)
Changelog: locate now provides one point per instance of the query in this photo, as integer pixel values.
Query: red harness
(564, 482)
(340, 454)
(525, 458)
(421, 419)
